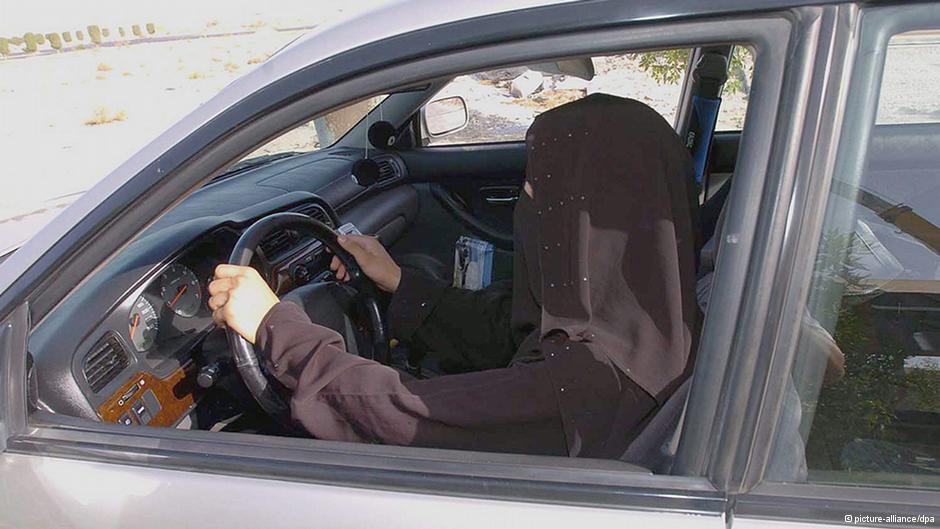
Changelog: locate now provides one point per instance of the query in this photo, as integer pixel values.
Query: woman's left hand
(240, 299)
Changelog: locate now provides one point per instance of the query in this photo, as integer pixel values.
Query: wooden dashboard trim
(174, 393)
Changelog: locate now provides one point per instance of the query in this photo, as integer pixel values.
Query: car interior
(135, 344)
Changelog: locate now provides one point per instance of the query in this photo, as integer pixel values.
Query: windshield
(316, 134)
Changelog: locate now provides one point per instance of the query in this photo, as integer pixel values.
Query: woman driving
(593, 335)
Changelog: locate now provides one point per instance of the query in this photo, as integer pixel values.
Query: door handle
(500, 195)
(459, 210)
(501, 200)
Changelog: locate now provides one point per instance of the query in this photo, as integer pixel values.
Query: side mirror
(445, 116)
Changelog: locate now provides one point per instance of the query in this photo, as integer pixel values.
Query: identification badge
(473, 263)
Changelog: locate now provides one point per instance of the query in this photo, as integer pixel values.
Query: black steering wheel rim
(246, 359)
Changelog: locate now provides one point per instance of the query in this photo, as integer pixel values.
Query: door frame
(324, 86)
(724, 392)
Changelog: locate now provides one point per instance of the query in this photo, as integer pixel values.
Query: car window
(735, 92)
(867, 372)
(909, 87)
(321, 132)
(502, 103)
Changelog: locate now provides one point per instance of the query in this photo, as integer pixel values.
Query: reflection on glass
(871, 411)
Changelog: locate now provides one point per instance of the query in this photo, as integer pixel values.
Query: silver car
(815, 394)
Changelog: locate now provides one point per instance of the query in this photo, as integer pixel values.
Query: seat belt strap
(710, 75)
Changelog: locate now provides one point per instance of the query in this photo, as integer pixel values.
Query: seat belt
(709, 75)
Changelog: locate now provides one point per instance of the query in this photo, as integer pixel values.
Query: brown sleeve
(464, 330)
(417, 296)
(339, 396)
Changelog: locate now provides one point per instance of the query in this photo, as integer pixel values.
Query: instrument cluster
(178, 293)
(160, 322)
(169, 311)
(170, 314)
(148, 338)
(138, 366)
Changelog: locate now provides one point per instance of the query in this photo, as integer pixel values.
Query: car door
(851, 349)
(463, 190)
(64, 471)
(477, 185)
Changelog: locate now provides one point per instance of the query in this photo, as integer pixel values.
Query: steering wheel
(246, 359)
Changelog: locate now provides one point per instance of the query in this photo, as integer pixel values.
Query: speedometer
(181, 290)
(143, 324)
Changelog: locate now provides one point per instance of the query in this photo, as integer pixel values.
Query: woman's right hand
(372, 258)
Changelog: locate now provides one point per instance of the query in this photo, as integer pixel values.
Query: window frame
(850, 107)
(336, 141)
(159, 187)
(720, 407)
(719, 130)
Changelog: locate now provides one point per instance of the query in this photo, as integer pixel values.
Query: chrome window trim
(829, 504)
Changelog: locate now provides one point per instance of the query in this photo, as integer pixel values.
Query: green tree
(668, 66)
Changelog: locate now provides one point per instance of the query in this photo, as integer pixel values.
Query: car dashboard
(129, 346)
(153, 330)
(150, 333)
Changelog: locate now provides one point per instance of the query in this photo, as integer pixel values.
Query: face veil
(605, 246)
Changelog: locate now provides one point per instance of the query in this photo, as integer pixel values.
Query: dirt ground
(70, 118)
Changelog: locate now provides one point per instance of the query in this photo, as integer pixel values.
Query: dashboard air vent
(279, 243)
(105, 360)
(388, 170)
(282, 242)
(315, 211)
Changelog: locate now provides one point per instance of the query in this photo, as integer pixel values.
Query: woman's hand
(372, 259)
(240, 298)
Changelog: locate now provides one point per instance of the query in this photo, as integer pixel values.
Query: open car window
(736, 90)
(503, 102)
